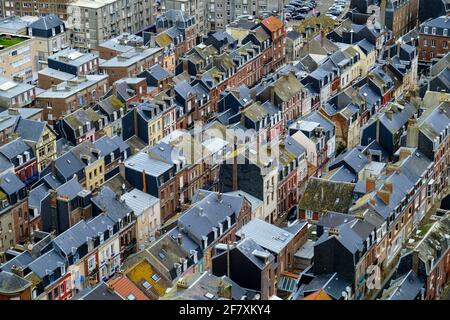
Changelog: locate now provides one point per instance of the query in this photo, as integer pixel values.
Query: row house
(15, 94)
(68, 96)
(74, 62)
(111, 110)
(114, 150)
(287, 93)
(212, 220)
(323, 81)
(56, 205)
(347, 110)
(153, 120)
(108, 202)
(388, 127)
(191, 103)
(430, 134)
(282, 243)
(131, 90)
(179, 28)
(434, 37)
(50, 34)
(403, 63)
(131, 63)
(117, 45)
(41, 137)
(10, 118)
(395, 206)
(85, 254)
(158, 79)
(259, 263)
(288, 178)
(277, 34)
(344, 248)
(22, 157)
(317, 134)
(14, 228)
(80, 125)
(154, 177)
(257, 177)
(147, 211)
(429, 261)
(320, 197)
(265, 119)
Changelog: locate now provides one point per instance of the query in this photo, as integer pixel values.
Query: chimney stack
(388, 186)
(412, 135)
(370, 184)
(385, 196)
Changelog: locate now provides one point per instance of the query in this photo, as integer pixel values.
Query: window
(425, 43)
(433, 43)
(445, 32)
(91, 263)
(444, 44)
(309, 214)
(433, 30)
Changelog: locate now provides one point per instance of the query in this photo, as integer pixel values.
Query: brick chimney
(370, 184)
(384, 195)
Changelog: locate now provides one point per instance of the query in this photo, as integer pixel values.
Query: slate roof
(14, 148)
(70, 189)
(22, 260)
(322, 195)
(342, 174)
(30, 130)
(69, 164)
(74, 237)
(139, 201)
(407, 287)
(248, 247)
(101, 292)
(49, 261)
(106, 145)
(106, 200)
(439, 23)
(10, 183)
(267, 235)
(353, 159)
(209, 212)
(46, 22)
(36, 195)
(11, 283)
(333, 284)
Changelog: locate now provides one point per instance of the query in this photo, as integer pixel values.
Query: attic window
(156, 277)
(131, 297)
(146, 285)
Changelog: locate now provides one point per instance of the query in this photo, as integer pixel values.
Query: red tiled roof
(124, 287)
(318, 295)
(272, 23)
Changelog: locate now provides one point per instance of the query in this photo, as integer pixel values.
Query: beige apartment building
(16, 57)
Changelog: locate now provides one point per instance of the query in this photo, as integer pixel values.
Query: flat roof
(130, 57)
(66, 89)
(64, 76)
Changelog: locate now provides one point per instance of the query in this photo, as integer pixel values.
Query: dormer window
(445, 32)
(27, 156)
(20, 159)
(433, 30)
(111, 231)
